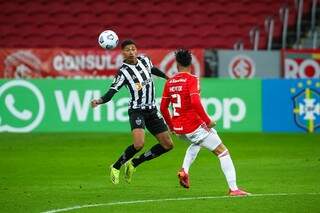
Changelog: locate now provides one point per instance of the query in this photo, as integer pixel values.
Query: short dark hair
(183, 57)
(127, 42)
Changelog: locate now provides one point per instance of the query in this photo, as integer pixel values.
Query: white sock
(228, 169)
(190, 156)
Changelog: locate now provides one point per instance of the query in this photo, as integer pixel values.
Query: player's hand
(212, 124)
(95, 102)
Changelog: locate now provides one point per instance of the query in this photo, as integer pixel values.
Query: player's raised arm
(103, 99)
(159, 73)
(117, 83)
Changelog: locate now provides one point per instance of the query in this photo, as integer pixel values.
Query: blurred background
(267, 42)
(219, 24)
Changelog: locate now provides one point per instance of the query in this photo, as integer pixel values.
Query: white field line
(169, 199)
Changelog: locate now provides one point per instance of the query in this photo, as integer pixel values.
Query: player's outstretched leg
(183, 178)
(130, 166)
(214, 143)
(229, 172)
(114, 175)
(190, 156)
(164, 146)
(115, 168)
(154, 152)
(129, 169)
(127, 155)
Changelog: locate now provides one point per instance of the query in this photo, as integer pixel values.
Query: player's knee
(221, 149)
(168, 144)
(165, 140)
(138, 145)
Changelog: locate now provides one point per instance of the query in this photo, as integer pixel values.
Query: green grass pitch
(42, 172)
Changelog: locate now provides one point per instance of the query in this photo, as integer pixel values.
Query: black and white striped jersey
(137, 78)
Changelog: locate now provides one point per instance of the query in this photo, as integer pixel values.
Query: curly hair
(183, 57)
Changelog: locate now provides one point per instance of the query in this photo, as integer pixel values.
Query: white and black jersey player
(136, 74)
(138, 79)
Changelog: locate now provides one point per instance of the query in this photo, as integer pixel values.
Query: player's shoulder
(143, 57)
(193, 76)
(124, 68)
(145, 60)
(189, 76)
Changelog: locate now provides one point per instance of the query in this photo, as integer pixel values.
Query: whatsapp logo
(22, 106)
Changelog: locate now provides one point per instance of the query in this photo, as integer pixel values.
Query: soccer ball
(108, 39)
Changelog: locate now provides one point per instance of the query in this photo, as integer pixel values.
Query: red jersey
(183, 92)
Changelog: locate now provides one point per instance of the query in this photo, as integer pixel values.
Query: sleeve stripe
(114, 88)
(150, 63)
(119, 83)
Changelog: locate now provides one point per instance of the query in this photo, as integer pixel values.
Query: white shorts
(204, 137)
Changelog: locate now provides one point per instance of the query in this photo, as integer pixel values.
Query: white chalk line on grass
(169, 199)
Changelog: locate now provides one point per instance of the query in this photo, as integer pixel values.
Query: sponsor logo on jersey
(178, 80)
(139, 85)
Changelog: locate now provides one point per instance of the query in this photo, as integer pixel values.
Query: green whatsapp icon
(22, 106)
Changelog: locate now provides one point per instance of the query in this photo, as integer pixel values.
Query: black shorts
(150, 118)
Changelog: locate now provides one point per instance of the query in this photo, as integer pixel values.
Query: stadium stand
(218, 24)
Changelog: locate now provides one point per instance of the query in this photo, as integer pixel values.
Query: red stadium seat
(35, 40)
(172, 42)
(81, 41)
(69, 30)
(37, 7)
(93, 29)
(8, 29)
(206, 29)
(12, 40)
(49, 28)
(218, 23)
(61, 17)
(56, 7)
(62, 41)
(39, 17)
(148, 42)
(154, 17)
(200, 19)
(16, 18)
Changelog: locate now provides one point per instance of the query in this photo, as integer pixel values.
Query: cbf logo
(22, 106)
(306, 105)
